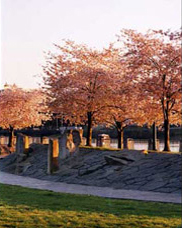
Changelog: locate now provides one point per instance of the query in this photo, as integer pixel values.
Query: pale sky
(30, 27)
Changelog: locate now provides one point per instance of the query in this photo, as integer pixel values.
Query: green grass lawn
(23, 207)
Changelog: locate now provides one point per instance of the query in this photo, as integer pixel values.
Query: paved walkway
(6, 178)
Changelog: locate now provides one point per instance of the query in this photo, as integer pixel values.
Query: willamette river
(138, 144)
(143, 144)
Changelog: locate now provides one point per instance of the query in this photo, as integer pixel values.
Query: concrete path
(6, 178)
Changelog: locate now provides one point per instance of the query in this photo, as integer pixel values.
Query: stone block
(77, 139)
(103, 140)
(4, 140)
(26, 142)
(180, 146)
(45, 140)
(130, 144)
(36, 139)
(20, 144)
(14, 141)
(83, 142)
(63, 151)
(53, 156)
(69, 141)
(49, 157)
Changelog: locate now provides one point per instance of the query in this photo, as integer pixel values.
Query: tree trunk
(120, 139)
(154, 136)
(166, 135)
(11, 136)
(120, 132)
(89, 129)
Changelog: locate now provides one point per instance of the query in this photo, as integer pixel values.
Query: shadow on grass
(47, 200)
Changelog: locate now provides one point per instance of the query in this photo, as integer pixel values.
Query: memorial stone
(65, 145)
(26, 139)
(130, 144)
(103, 140)
(45, 140)
(53, 155)
(77, 138)
(49, 158)
(83, 142)
(2, 140)
(63, 151)
(180, 146)
(20, 144)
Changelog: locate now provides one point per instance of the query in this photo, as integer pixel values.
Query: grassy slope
(22, 207)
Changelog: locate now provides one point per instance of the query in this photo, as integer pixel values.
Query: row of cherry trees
(135, 80)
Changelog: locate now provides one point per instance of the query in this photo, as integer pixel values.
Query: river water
(138, 144)
(143, 144)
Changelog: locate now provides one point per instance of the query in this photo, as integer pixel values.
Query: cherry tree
(123, 111)
(77, 84)
(120, 108)
(154, 60)
(124, 106)
(20, 108)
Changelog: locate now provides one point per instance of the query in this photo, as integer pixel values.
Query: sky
(29, 28)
